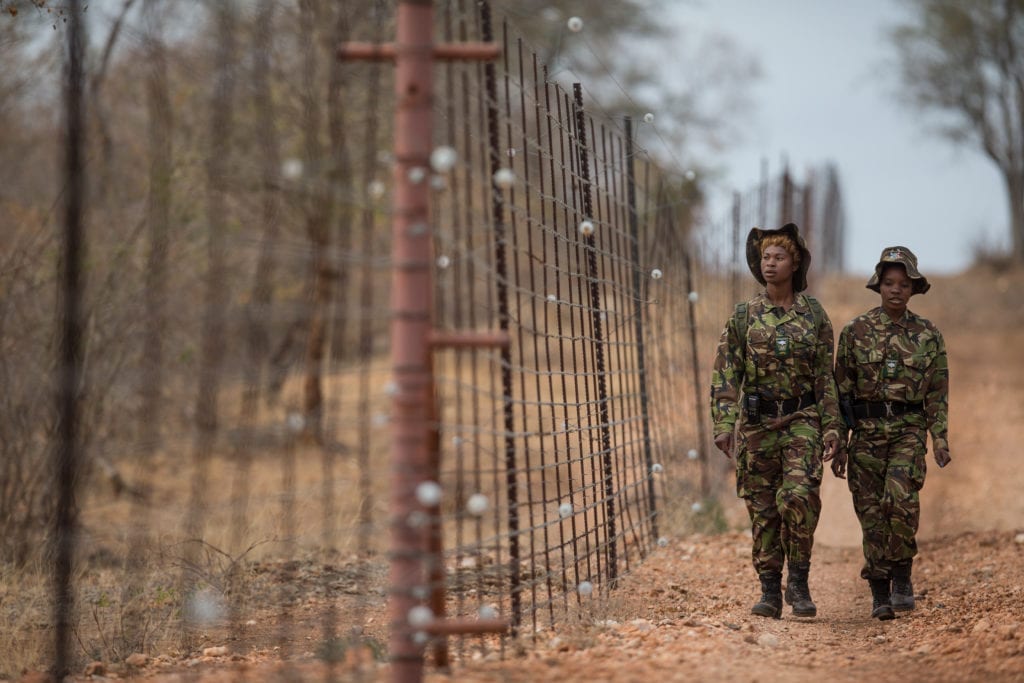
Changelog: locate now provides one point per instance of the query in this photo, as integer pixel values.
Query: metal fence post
(413, 338)
(641, 360)
(69, 366)
(599, 342)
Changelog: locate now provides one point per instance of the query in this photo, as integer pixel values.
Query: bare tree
(964, 60)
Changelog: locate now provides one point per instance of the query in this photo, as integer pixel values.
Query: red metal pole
(411, 323)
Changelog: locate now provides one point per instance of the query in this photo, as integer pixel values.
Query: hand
(839, 464)
(831, 448)
(724, 443)
(942, 457)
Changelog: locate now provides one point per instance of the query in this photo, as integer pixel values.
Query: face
(777, 266)
(896, 289)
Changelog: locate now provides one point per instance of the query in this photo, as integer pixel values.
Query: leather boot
(881, 608)
(797, 593)
(770, 604)
(902, 589)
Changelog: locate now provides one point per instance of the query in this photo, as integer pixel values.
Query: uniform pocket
(915, 369)
(869, 370)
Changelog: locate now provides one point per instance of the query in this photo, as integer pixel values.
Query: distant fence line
(576, 291)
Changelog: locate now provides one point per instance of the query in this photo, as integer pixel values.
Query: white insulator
(416, 175)
(692, 454)
(487, 612)
(693, 296)
(690, 175)
(477, 504)
(648, 117)
(428, 493)
(585, 588)
(291, 169)
(565, 510)
(504, 178)
(551, 14)
(552, 298)
(296, 422)
(443, 159)
(587, 228)
(420, 615)
(443, 261)
(575, 24)
(656, 274)
(662, 542)
(697, 507)
(656, 468)
(376, 189)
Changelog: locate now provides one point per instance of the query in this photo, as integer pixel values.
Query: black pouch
(846, 410)
(752, 408)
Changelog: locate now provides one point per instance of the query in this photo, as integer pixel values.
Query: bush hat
(754, 253)
(904, 257)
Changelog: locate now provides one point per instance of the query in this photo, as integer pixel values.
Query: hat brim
(754, 253)
(919, 282)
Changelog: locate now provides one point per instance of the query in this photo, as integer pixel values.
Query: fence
(231, 385)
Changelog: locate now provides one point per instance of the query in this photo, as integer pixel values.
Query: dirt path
(691, 602)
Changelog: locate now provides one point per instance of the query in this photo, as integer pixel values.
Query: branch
(101, 73)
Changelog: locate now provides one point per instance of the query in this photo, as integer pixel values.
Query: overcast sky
(827, 94)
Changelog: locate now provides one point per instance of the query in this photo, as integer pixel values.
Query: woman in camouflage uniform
(777, 350)
(893, 383)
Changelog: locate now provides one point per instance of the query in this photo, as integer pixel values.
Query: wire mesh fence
(225, 434)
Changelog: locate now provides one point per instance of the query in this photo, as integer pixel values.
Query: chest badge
(891, 369)
(782, 347)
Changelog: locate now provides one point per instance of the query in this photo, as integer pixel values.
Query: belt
(867, 409)
(785, 406)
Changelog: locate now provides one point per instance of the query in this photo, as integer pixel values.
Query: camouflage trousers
(885, 472)
(778, 475)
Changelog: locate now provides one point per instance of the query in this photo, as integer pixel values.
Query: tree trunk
(257, 336)
(1015, 195)
(158, 220)
(318, 211)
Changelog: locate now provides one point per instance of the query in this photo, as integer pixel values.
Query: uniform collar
(800, 304)
(904, 321)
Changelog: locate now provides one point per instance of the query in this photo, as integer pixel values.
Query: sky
(828, 93)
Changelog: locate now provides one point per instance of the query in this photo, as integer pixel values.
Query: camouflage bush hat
(754, 253)
(904, 257)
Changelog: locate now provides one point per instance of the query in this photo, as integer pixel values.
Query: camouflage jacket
(865, 370)
(785, 357)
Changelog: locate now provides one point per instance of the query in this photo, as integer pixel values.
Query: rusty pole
(414, 448)
(411, 307)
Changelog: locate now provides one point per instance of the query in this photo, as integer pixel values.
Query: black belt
(784, 406)
(866, 409)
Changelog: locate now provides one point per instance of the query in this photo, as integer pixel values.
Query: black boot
(881, 608)
(770, 604)
(902, 588)
(797, 593)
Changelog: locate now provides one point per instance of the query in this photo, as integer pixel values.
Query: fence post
(634, 232)
(414, 446)
(786, 205)
(411, 311)
(599, 361)
(69, 366)
(501, 271)
(698, 393)
(736, 218)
